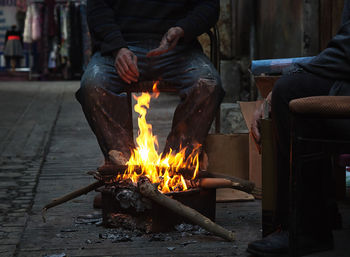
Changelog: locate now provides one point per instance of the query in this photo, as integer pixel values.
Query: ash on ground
(89, 219)
(191, 229)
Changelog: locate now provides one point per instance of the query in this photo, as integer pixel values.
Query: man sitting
(136, 42)
(327, 73)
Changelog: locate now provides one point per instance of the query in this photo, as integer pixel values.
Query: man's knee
(281, 87)
(212, 85)
(281, 92)
(93, 79)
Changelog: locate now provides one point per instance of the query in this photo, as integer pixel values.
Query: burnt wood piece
(149, 191)
(157, 219)
(117, 157)
(208, 183)
(109, 174)
(238, 183)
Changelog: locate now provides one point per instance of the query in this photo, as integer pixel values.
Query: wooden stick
(237, 183)
(148, 190)
(208, 183)
(117, 157)
(73, 195)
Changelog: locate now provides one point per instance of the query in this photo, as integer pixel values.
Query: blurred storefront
(55, 37)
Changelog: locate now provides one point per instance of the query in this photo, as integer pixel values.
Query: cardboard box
(228, 154)
(265, 84)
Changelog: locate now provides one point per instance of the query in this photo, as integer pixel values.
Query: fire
(164, 170)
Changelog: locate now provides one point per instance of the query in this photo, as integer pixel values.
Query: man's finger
(124, 75)
(127, 62)
(163, 47)
(119, 68)
(171, 35)
(129, 76)
(132, 69)
(255, 128)
(157, 51)
(122, 64)
(134, 58)
(173, 44)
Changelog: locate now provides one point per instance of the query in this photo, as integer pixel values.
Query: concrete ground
(46, 148)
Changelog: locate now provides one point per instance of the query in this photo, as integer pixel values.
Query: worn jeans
(187, 71)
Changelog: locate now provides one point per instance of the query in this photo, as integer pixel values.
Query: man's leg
(289, 87)
(105, 105)
(200, 91)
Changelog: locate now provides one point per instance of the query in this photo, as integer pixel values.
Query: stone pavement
(28, 116)
(46, 148)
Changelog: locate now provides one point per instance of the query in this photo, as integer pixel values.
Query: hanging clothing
(37, 21)
(21, 5)
(85, 36)
(75, 46)
(64, 33)
(59, 32)
(27, 33)
(21, 13)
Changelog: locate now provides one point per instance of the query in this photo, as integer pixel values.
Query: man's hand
(168, 41)
(258, 114)
(126, 65)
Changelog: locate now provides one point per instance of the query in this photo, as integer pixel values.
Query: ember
(160, 169)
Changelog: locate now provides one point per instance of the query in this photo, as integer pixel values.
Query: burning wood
(148, 190)
(117, 157)
(172, 172)
(167, 170)
(166, 173)
(135, 187)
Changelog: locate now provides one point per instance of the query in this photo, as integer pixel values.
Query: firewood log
(149, 191)
(117, 157)
(237, 183)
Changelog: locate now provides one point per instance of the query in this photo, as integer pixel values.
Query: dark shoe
(98, 201)
(275, 244)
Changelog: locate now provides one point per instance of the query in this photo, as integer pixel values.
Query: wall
(292, 28)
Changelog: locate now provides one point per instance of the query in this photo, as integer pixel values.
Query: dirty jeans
(103, 96)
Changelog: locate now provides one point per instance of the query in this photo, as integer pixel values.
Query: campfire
(154, 192)
(162, 169)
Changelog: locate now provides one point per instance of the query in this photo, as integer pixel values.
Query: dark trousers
(184, 70)
(297, 85)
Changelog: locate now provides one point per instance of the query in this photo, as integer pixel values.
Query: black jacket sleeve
(103, 26)
(203, 15)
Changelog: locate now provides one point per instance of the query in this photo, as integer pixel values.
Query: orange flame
(164, 170)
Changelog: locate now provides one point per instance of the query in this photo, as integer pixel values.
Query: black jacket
(113, 23)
